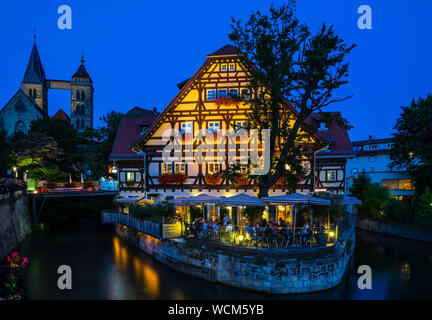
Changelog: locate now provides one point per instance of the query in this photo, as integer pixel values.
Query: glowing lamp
(240, 237)
(331, 234)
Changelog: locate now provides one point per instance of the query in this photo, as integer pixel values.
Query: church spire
(34, 72)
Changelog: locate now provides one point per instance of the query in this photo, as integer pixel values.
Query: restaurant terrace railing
(158, 230)
(276, 237)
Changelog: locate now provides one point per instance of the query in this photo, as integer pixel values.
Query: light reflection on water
(107, 267)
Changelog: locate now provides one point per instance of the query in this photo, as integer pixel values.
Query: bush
(51, 185)
(253, 213)
(156, 213)
(375, 200)
(424, 214)
(397, 210)
(88, 184)
(70, 185)
(196, 212)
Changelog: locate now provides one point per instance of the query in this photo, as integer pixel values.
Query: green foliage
(292, 63)
(360, 183)
(375, 200)
(424, 214)
(196, 212)
(253, 213)
(398, 210)
(38, 153)
(159, 212)
(412, 149)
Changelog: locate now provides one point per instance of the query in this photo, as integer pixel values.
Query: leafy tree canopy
(412, 149)
(291, 64)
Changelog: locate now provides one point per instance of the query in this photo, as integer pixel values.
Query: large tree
(39, 154)
(98, 143)
(412, 150)
(290, 64)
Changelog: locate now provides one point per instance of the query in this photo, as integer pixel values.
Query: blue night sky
(137, 51)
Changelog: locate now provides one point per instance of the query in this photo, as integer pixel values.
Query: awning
(202, 199)
(346, 200)
(128, 200)
(295, 198)
(178, 201)
(242, 200)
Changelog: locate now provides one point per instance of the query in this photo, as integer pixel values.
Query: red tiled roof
(335, 134)
(129, 131)
(226, 50)
(60, 114)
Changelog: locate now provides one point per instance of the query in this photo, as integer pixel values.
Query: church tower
(81, 99)
(34, 83)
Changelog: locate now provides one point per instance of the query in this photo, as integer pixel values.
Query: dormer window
(323, 126)
(223, 67)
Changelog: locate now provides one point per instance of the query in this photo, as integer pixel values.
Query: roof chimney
(155, 110)
(370, 137)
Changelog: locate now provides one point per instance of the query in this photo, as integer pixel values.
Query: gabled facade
(194, 108)
(129, 164)
(18, 113)
(331, 162)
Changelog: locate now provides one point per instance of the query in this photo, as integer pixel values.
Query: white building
(373, 157)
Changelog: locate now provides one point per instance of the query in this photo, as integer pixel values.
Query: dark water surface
(107, 267)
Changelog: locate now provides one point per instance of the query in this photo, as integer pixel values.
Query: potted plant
(214, 179)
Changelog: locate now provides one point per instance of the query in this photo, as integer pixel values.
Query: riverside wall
(412, 232)
(310, 271)
(14, 221)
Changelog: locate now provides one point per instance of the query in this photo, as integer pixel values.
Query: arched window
(20, 126)
(82, 95)
(82, 123)
(77, 95)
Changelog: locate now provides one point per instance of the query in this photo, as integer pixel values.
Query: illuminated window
(166, 168)
(211, 94)
(398, 184)
(180, 168)
(223, 67)
(130, 176)
(243, 168)
(231, 66)
(186, 127)
(222, 93)
(240, 124)
(331, 175)
(213, 126)
(213, 168)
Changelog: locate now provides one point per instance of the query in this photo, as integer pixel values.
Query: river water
(107, 267)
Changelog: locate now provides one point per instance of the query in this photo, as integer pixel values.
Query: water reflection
(107, 267)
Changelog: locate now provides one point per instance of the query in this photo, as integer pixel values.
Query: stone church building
(30, 102)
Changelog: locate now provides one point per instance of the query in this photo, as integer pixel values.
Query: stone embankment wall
(412, 232)
(277, 275)
(14, 221)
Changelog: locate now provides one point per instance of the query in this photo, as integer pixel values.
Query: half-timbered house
(129, 164)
